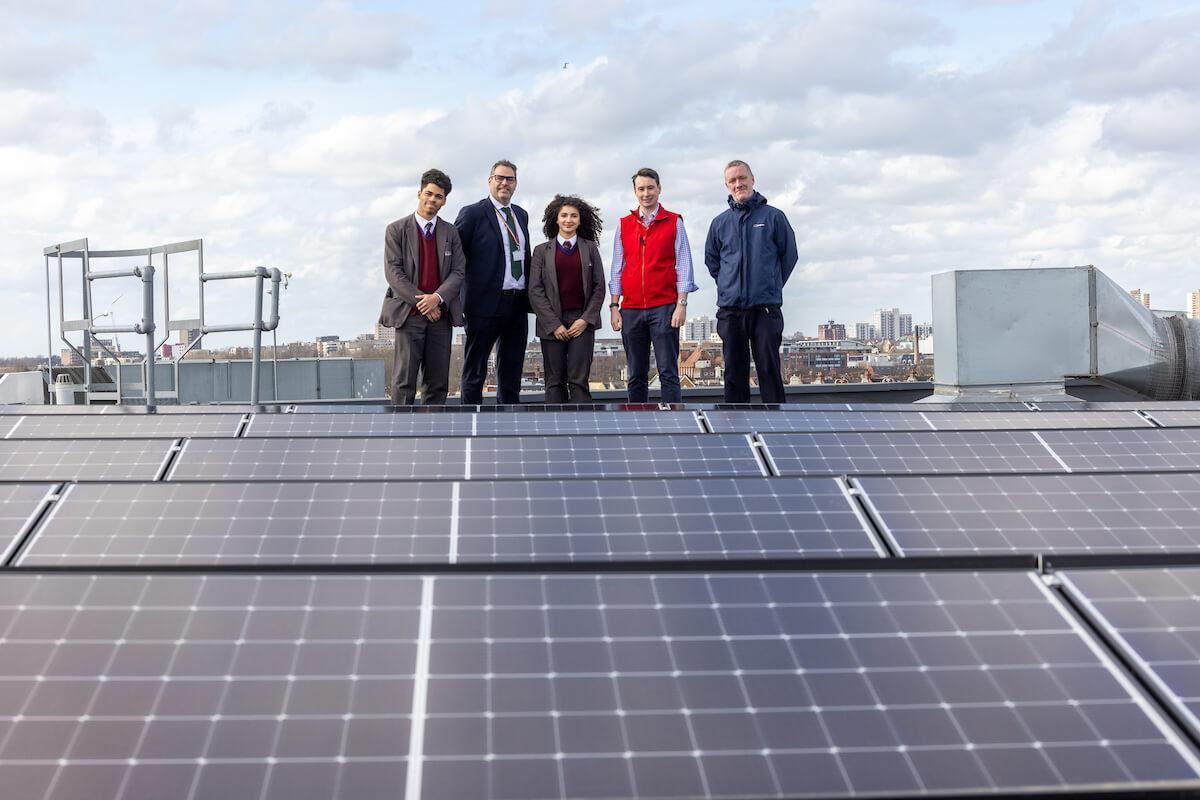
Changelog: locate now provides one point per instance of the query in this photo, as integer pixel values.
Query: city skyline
(901, 140)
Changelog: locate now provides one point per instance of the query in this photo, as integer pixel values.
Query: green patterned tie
(513, 244)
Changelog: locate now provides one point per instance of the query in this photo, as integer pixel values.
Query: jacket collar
(755, 201)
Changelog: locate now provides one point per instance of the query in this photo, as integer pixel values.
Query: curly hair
(590, 224)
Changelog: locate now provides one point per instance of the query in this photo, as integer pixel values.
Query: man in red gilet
(651, 278)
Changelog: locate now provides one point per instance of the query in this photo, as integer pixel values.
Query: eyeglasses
(504, 178)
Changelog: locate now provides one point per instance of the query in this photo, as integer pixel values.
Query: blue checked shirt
(684, 277)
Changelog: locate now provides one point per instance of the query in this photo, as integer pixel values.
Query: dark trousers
(509, 327)
(641, 328)
(422, 348)
(743, 331)
(568, 364)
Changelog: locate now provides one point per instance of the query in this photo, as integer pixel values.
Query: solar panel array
(540, 602)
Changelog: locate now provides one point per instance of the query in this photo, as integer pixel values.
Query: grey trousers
(422, 349)
(568, 364)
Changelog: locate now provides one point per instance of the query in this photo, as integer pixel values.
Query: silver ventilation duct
(1020, 333)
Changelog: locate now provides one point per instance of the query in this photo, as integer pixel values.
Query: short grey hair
(737, 162)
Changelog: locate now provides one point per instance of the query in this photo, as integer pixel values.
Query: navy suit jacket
(479, 231)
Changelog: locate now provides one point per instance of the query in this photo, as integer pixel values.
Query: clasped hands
(563, 333)
(430, 305)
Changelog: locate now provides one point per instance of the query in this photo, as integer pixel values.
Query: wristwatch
(614, 305)
(681, 303)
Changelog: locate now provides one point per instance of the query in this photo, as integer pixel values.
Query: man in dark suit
(423, 263)
(495, 239)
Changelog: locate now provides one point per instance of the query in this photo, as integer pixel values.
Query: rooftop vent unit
(1020, 333)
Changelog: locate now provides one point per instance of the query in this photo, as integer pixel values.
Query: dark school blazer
(543, 286)
(401, 260)
(484, 248)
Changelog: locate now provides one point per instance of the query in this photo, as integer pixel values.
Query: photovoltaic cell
(1051, 514)
(112, 426)
(206, 687)
(326, 459)
(1154, 616)
(630, 456)
(709, 518)
(777, 685)
(245, 523)
(908, 452)
(18, 504)
(65, 460)
(1149, 450)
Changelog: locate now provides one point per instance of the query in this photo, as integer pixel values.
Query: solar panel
(245, 523)
(631, 456)
(1152, 616)
(443, 522)
(777, 685)
(1176, 419)
(805, 420)
(923, 407)
(19, 502)
(116, 426)
(328, 459)
(708, 518)
(206, 687)
(497, 424)
(1038, 420)
(65, 460)
(1050, 514)
(378, 408)
(908, 452)
(284, 425)
(1147, 405)
(133, 410)
(548, 423)
(1149, 450)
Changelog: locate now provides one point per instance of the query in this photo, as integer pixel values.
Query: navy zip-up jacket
(751, 252)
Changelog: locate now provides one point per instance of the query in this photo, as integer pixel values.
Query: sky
(901, 139)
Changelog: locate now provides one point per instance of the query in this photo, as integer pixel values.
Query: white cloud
(890, 164)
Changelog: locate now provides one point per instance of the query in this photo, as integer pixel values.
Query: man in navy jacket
(750, 251)
(495, 241)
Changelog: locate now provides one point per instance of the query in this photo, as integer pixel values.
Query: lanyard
(516, 239)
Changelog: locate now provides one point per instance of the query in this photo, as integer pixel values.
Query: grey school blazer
(543, 286)
(401, 258)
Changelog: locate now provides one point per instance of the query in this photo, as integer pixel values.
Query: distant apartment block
(865, 332)
(887, 323)
(329, 345)
(384, 334)
(831, 330)
(1193, 304)
(699, 329)
(1140, 296)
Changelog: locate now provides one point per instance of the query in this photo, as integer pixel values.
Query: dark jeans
(743, 331)
(422, 348)
(568, 364)
(641, 328)
(510, 327)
